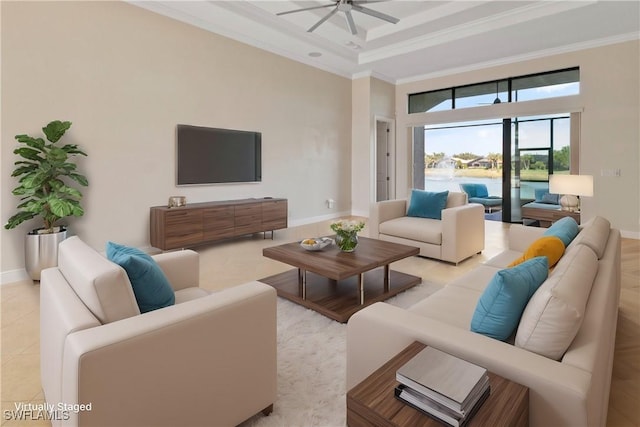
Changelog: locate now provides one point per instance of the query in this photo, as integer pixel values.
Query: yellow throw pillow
(549, 246)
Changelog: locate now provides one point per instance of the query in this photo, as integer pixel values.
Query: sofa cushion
(503, 259)
(565, 228)
(419, 229)
(476, 279)
(595, 234)
(554, 314)
(451, 305)
(150, 286)
(550, 247)
(103, 286)
(500, 306)
(427, 204)
(454, 304)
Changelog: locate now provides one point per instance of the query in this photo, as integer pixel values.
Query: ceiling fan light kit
(345, 6)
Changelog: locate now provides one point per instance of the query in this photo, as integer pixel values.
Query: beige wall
(125, 77)
(371, 99)
(610, 134)
(360, 141)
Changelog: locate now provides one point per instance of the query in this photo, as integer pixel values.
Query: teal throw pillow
(150, 285)
(566, 229)
(426, 204)
(502, 303)
(539, 193)
(543, 196)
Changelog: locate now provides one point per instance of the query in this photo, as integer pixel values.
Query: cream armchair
(210, 359)
(457, 236)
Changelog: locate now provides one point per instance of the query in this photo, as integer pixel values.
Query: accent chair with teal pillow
(566, 229)
(427, 204)
(150, 286)
(502, 303)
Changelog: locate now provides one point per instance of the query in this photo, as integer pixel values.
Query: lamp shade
(576, 185)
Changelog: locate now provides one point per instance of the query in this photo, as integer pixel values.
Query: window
(515, 89)
(546, 85)
(436, 100)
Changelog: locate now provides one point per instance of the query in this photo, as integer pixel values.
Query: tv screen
(209, 155)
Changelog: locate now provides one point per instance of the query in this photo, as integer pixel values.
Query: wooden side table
(372, 402)
(546, 217)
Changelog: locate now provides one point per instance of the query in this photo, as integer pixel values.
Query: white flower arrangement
(347, 226)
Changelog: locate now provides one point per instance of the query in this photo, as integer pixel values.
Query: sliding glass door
(538, 147)
(511, 157)
(461, 153)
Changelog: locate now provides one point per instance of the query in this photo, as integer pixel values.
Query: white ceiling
(432, 37)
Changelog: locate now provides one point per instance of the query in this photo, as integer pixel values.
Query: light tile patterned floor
(238, 261)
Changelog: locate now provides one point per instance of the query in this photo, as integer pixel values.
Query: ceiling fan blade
(375, 14)
(352, 25)
(327, 16)
(306, 8)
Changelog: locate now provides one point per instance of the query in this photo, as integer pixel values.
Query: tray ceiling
(431, 38)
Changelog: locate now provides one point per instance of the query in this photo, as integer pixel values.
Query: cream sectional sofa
(457, 236)
(570, 391)
(210, 358)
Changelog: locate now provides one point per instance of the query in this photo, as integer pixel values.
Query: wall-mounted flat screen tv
(211, 156)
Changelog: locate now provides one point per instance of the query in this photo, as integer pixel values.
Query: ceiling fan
(345, 6)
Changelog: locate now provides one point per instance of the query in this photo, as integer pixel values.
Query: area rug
(312, 365)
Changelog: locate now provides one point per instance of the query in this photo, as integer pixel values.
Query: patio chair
(478, 193)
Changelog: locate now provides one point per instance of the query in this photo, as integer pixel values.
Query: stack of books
(443, 386)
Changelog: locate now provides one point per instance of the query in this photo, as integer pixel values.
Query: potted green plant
(44, 174)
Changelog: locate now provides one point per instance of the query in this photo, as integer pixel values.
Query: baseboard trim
(364, 214)
(13, 276)
(305, 221)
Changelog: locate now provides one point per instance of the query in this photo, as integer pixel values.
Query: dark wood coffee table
(373, 402)
(338, 284)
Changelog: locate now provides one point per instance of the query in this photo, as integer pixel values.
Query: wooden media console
(200, 223)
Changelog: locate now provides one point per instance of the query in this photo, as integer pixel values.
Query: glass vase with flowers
(347, 234)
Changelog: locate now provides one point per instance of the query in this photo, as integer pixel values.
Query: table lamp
(571, 186)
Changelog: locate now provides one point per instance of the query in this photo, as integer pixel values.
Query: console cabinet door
(248, 218)
(218, 223)
(183, 228)
(274, 215)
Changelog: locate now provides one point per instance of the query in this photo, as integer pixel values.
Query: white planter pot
(41, 251)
